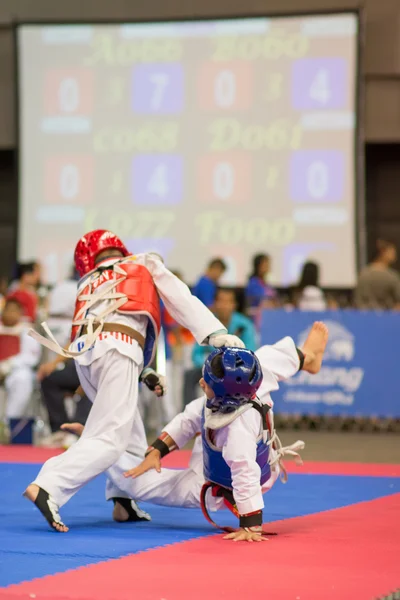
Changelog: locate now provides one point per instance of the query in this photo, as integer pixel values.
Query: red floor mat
(349, 553)
(180, 460)
(26, 454)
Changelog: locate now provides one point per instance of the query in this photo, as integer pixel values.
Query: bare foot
(126, 509)
(44, 502)
(314, 347)
(120, 515)
(31, 492)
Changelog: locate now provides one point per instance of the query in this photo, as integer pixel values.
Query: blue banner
(360, 375)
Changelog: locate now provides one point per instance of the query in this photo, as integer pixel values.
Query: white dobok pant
(170, 487)
(114, 425)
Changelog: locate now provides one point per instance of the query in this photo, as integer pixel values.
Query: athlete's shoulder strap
(263, 410)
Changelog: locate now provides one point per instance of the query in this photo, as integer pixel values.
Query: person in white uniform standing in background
(19, 355)
(115, 329)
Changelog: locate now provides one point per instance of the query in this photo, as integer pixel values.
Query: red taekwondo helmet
(91, 244)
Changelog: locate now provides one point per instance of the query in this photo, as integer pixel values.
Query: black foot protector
(48, 508)
(134, 512)
(301, 356)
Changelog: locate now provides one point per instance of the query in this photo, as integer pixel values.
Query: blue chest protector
(216, 469)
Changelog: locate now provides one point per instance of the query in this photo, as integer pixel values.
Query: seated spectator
(308, 295)
(378, 285)
(19, 355)
(206, 287)
(59, 379)
(225, 310)
(23, 290)
(259, 294)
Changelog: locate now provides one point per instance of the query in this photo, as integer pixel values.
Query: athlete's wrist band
(251, 520)
(302, 357)
(159, 445)
(256, 529)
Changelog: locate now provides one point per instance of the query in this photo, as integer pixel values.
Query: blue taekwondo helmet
(238, 381)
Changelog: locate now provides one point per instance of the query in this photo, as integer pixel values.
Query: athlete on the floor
(115, 328)
(233, 452)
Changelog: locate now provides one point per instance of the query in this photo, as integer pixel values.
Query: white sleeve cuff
(251, 505)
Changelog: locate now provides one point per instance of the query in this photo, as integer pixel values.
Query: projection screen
(193, 139)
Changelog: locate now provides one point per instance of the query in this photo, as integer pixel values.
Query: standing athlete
(114, 333)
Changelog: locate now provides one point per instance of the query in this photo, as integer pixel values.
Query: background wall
(380, 89)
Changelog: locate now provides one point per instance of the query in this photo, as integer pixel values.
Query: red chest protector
(136, 285)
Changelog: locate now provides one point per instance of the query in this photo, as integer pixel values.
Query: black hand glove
(151, 379)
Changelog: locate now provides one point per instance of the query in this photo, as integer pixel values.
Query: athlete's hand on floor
(152, 461)
(75, 428)
(241, 535)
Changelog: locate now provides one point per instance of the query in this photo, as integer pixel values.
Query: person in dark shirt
(206, 287)
(225, 309)
(378, 285)
(259, 294)
(23, 290)
(308, 295)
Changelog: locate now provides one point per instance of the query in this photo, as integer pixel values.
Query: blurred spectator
(23, 290)
(259, 294)
(308, 294)
(59, 380)
(37, 274)
(378, 284)
(206, 287)
(28, 276)
(19, 355)
(61, 307)
(225, 310)
(177, 338)
(42, 291)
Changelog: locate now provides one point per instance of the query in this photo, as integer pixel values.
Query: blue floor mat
(29, 549)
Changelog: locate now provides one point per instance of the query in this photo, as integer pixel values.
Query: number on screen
(69, 182)
(320, 90)
(68, 95)
(160, 82)
(158, 182)
(225, 89)
(223, 180)
(317, 180)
